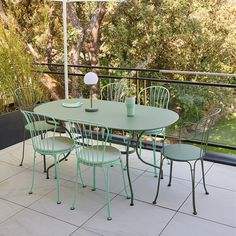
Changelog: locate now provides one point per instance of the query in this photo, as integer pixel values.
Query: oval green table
(113, 115)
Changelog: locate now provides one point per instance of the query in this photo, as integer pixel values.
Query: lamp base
(91, 109)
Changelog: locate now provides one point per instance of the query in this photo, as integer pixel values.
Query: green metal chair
(27, 98)
(155, 96)
(47, 143)
(4, 102)
(114, 91)
(183, 152)
(92, 150)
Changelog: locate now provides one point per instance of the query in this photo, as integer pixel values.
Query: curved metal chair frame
(4, 97)
(158, 96)
(189, 153)
(27, 99)
(46, 142)
(114, 91)
(92, 150)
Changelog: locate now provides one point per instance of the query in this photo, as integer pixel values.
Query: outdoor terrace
(38, 214)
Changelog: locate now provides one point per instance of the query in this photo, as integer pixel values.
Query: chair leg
(32, 185)
(76, 187)
(44, 158)
(159, 178)
(140, 147)
(57, 170)
(123, 177)
(171, 168)
(106, 176)
(44, 164)
(80, 175)
(94, 179)
(193, 186)
(23, 150)
(154, 157)
(203, 177)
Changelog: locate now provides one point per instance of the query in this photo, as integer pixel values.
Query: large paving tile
(83, 232)
(146, 155)
(183, 224)
(222, 176)
(181, 170)
(14, 155)
(144, 189)
(219, 205)
(140, 219)
(7, 170)
(8, 209)
(116, 180)
(12, 147)
(89, 202)
(67, 168)
(28, 223)
(16, 188)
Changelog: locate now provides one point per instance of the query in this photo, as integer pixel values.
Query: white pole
(65, 48)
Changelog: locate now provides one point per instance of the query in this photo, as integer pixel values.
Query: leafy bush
(16, 68)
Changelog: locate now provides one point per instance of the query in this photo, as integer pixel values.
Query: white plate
(72, 104)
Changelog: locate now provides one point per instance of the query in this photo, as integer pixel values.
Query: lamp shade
(90, 78)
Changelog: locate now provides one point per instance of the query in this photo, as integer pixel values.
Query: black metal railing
(158, 78)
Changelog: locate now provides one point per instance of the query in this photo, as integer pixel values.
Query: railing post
(137, 84)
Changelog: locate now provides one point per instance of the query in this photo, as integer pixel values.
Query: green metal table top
(111, 114)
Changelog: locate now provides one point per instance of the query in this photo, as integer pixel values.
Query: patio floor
(38, 214)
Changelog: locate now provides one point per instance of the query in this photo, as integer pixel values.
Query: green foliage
(183, 35)
(16, 69)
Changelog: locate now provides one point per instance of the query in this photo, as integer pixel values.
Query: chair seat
(182, 152)
(54, 145)
(97, 155)
(39, 126)
(152, 132)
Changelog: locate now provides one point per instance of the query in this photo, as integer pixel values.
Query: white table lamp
(91, 79)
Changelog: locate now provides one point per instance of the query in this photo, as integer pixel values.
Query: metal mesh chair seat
(182, 152)
(53, 145)
(100, 155)
(39, 125)
(153, 132)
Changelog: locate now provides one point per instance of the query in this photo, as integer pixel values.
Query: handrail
(148, 70)
(163, 80)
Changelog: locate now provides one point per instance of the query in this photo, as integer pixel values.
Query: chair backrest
(155, 96)
(114, 92)
(4, 102)
(90, 141)
(40, 127)
(26, 97)
(200, 131)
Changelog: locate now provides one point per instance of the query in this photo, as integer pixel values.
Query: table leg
(62, 159)
(138, 154)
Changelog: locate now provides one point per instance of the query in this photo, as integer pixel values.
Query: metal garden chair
(4, 98)
(114, 91)
(182, 152)
(155, 96)
(92, 150)
(47, 143)
(27, 98)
